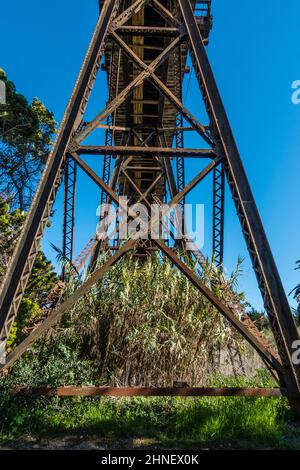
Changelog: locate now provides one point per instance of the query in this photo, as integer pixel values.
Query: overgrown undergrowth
(141, 325)
(144, 325)
(209, 421)
(242, 422)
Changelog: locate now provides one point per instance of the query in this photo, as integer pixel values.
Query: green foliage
(24, 121)
(260, 318)
(10, 226)
(51, 365)
(41, 281)
(141, 324)
(25, 136)
(18, 120)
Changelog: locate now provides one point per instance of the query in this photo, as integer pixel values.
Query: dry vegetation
(147, 325)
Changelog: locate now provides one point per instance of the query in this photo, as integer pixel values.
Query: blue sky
(254, 51)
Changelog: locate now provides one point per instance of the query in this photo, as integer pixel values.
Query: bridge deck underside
(146, 109)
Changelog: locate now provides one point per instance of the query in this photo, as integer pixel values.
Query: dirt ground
(97, 443)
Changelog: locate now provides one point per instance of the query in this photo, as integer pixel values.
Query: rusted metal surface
(89, 391)
(85, 253)
(145, 151)
(69, 211)
(218, 215)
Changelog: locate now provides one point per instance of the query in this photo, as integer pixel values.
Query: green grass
(214, 422)
(207, 421)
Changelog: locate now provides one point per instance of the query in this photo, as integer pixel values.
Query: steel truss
(218, 215)
(180, 137)
(148, 92)
(69, 212)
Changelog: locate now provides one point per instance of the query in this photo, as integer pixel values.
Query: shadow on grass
(246, 422)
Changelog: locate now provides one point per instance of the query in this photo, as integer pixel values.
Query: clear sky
(254, 51)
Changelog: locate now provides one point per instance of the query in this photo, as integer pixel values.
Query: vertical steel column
(218, 214)
(180, 173)
(180, 139)
(114, 72)
(106, 171)
(69, 212)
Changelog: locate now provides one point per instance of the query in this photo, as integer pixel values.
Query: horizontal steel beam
(148, 151)
(148, 31)
(152, 391)
(145, 127)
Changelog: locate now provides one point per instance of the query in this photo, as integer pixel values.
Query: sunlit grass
(247, 422)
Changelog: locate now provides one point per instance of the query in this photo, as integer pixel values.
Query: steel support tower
(140, 44)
